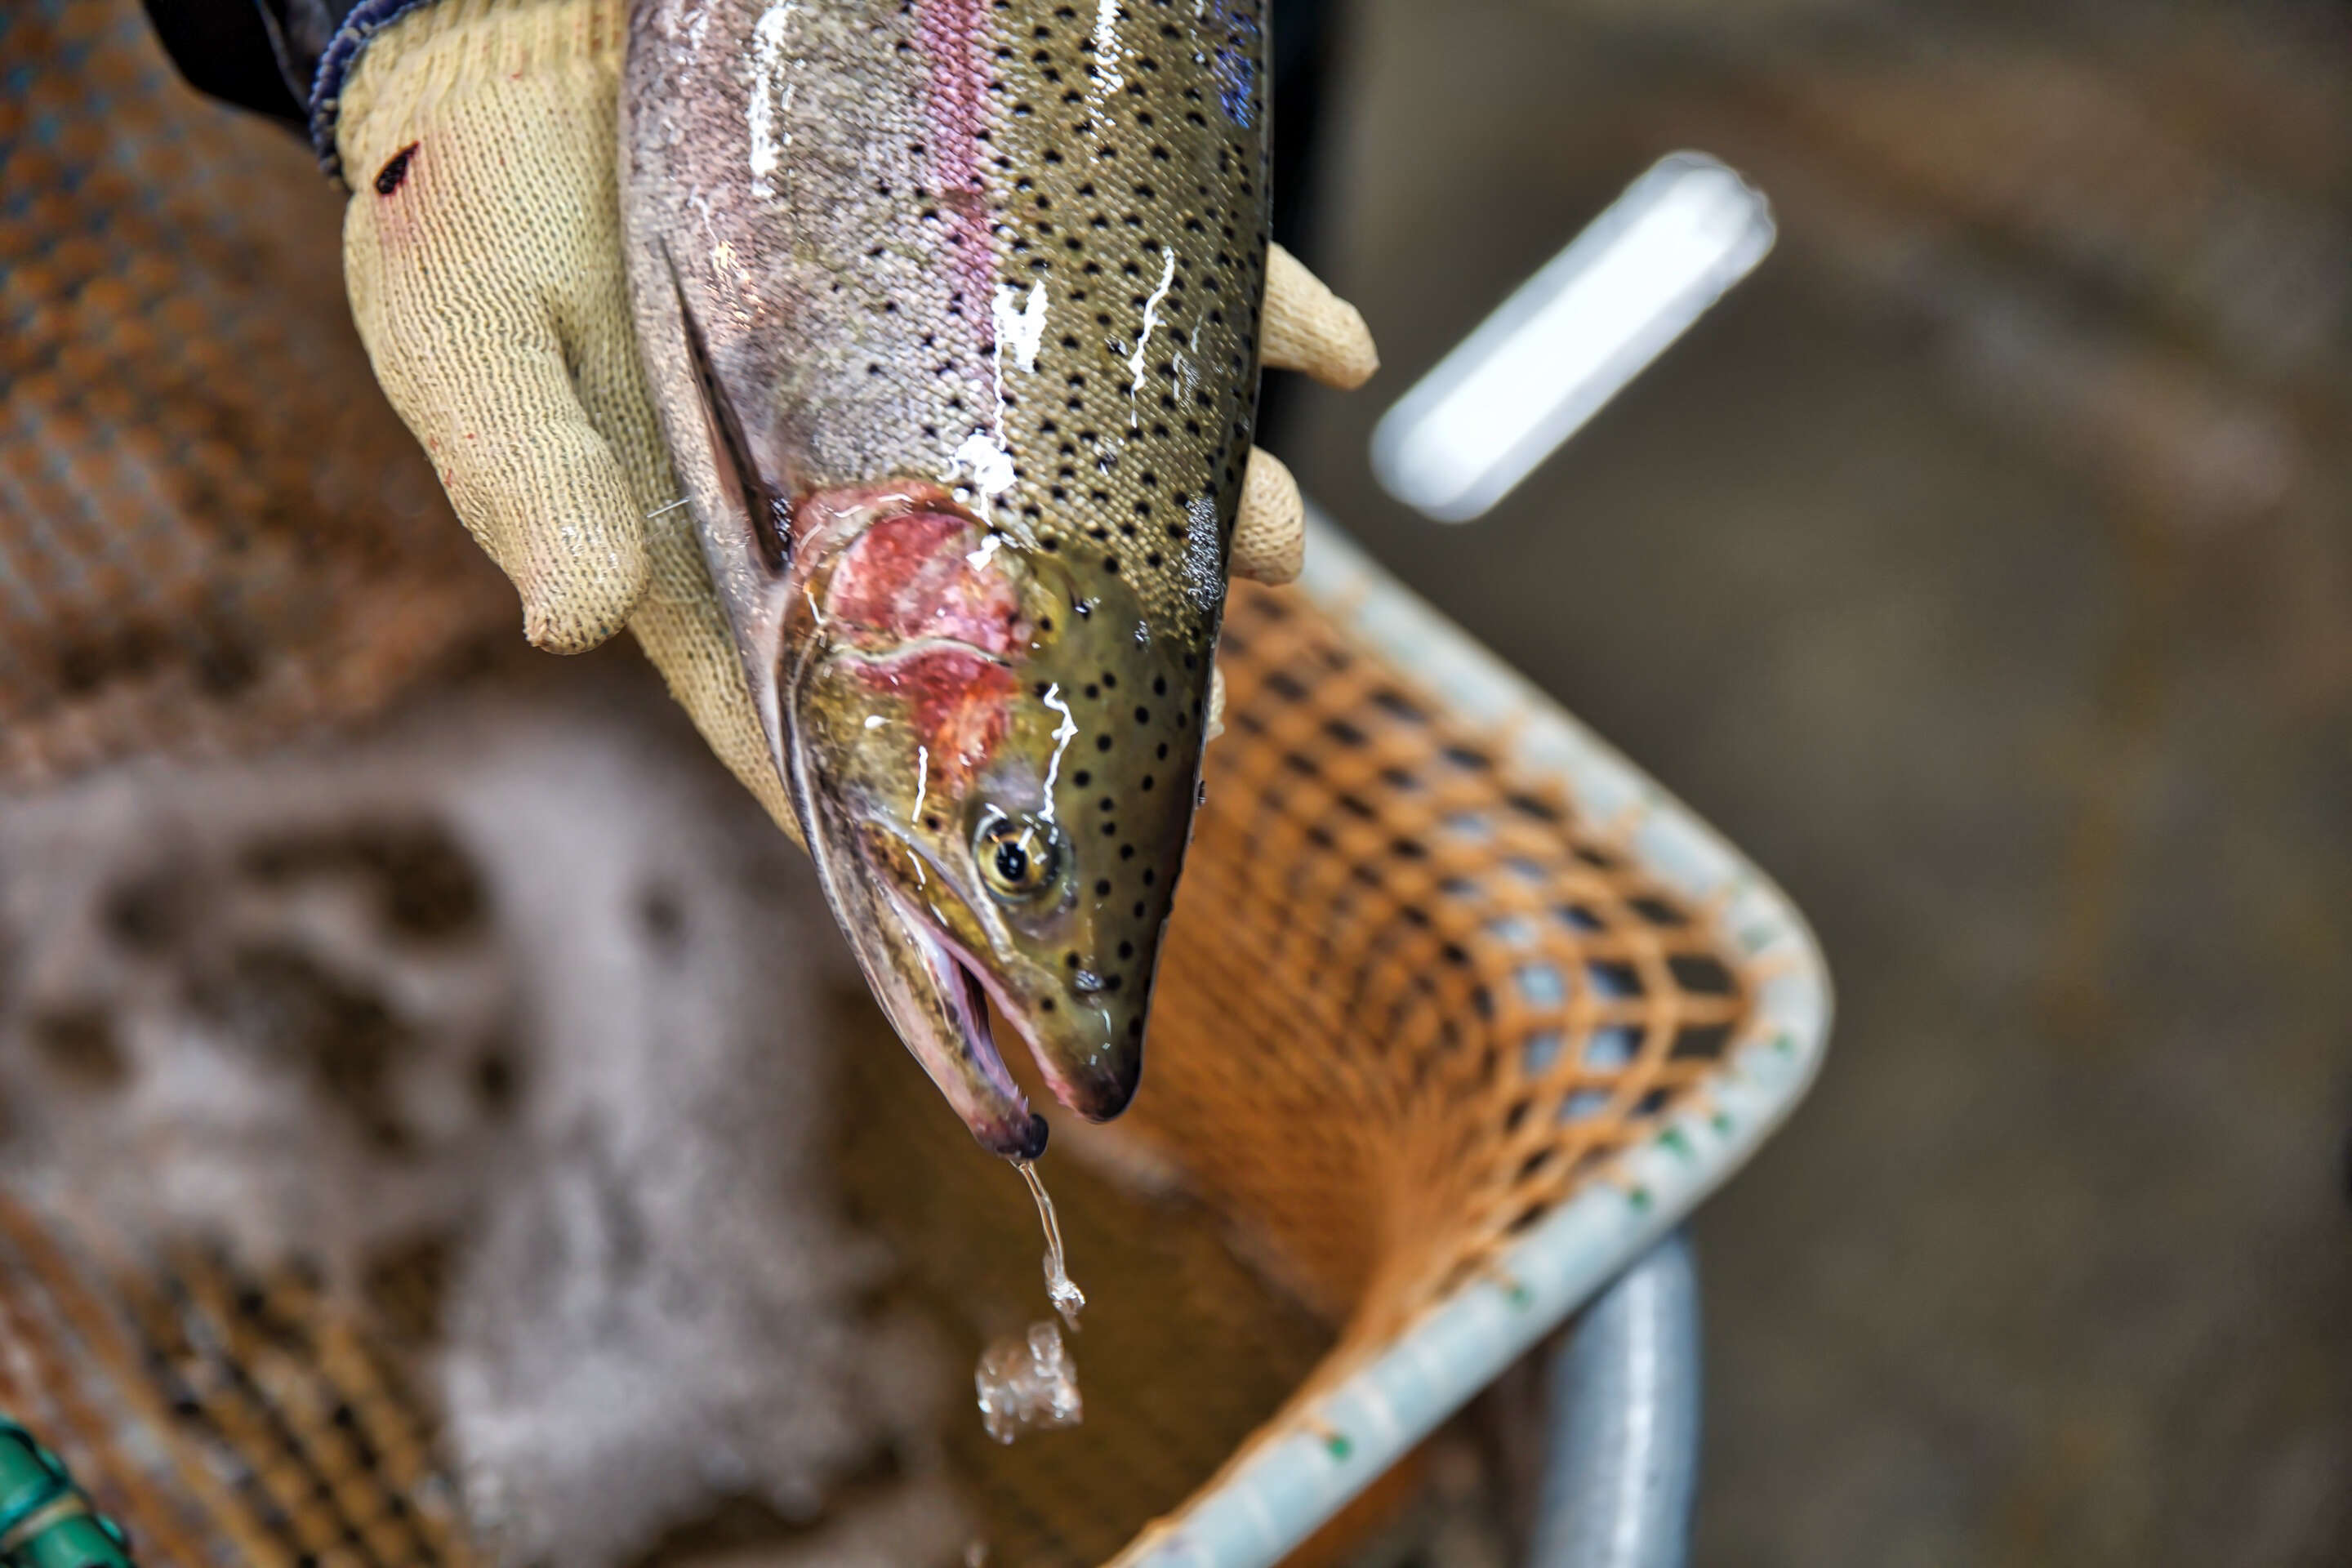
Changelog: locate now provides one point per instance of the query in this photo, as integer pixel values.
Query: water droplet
(1028, 1383)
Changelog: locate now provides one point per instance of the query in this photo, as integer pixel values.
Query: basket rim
(1319, 1456)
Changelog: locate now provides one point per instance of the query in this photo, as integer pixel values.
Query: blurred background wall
(1983, 566)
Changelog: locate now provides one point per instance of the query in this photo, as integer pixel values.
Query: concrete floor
(2053, 1267)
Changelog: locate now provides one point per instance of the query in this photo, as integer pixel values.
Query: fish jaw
(939, 1009)
(994, 772)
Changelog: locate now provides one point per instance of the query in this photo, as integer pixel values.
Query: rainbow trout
(950, 310)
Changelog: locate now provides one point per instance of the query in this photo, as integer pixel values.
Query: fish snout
(1094, 1058)
(1101, 1088)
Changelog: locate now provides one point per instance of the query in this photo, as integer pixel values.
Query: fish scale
(950, 310)
(1121, 187)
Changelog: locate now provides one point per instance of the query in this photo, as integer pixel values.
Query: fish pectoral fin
(1270, 529)
(1309, 328)
(764, 513)
(741, 522)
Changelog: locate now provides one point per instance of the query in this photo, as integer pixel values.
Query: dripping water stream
(1060, 1289)
(1028, 1381)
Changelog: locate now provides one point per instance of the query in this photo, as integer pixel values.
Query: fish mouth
(1095, 1084)
(969, 1067)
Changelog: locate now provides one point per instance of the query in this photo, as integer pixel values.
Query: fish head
(995, 765)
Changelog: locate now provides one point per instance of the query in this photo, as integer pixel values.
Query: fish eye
(1020, 856)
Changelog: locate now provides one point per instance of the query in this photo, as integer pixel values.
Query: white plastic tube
(1570, 337)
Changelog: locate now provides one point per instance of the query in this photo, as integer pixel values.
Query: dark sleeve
(260, 54)
(1305, 52)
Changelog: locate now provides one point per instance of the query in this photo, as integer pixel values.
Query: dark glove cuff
(364, 21)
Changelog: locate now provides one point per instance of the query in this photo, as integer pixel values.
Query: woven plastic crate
(1643, 1008)
(1460, 1012)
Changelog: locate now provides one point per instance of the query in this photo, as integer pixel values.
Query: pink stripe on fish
(954, 39)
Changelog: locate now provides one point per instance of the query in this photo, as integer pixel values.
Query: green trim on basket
(45, 1519)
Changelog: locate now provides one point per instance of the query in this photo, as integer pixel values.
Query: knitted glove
(481, 248)
(482, 252)
(478, 249)
(1307, 327)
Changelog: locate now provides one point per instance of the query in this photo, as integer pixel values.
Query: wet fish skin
(951, 315)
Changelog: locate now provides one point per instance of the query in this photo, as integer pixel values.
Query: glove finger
(549, 502)
(1270, 531)
(1216, 724)
(1309, 328)
(473, 359)
(536, 486)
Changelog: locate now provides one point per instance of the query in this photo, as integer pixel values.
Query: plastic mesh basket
(223, 1418)
(1459, 1013)
(213, 532)
(1527, 1011)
